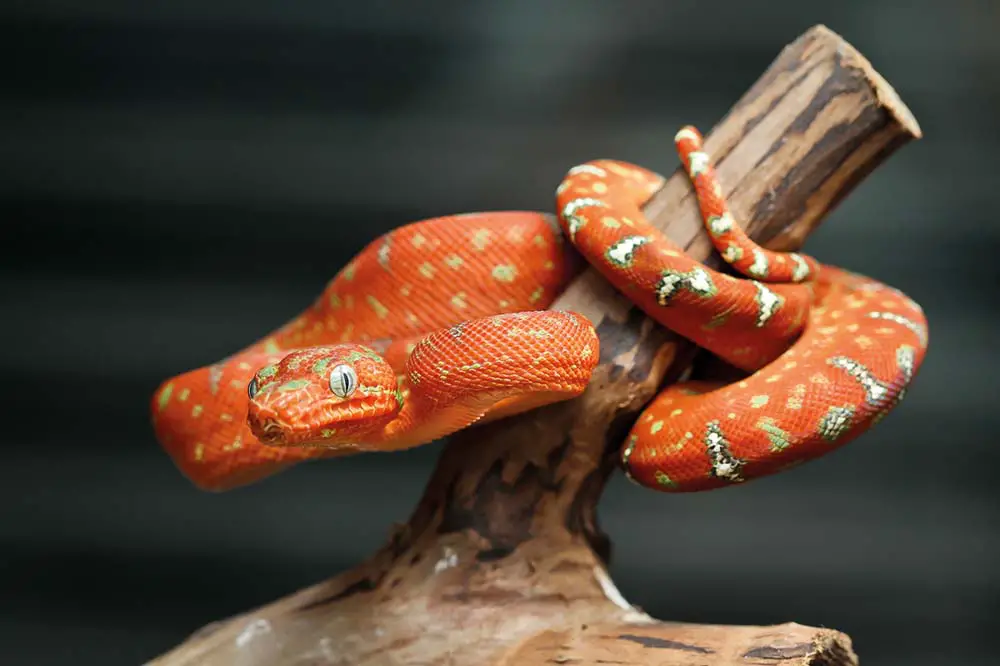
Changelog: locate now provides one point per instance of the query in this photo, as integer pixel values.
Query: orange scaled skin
(454, 377)
(830, 352)
(413, 280)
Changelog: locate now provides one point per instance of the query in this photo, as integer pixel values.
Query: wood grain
(503, 561)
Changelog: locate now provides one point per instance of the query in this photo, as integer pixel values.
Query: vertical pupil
(342, 381)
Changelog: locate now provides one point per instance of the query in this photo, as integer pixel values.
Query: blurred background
(160, 157)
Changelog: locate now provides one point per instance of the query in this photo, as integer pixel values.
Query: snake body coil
(442, 323)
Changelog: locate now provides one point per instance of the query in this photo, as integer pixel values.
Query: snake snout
(264, 424)
(268, 431)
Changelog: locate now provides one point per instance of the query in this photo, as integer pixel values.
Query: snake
(431, 326)
(445, 323)
(827, 352)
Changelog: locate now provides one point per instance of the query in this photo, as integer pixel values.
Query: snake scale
(443, 323)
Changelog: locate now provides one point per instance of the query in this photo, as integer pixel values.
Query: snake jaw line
(328, 396)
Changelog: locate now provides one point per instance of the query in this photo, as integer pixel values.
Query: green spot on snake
(664, 480)
(779, 438)
(835, 422)
(720, 224)
(733, 253)
(380, 310)
(164, 397)
(504, 273)
(696, 281)
(294, 384)
(355, 356)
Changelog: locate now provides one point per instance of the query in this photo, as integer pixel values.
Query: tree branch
(503, 562)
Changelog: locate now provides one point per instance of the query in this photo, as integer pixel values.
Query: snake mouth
(267, 430)
(274, 428)
(289, 422)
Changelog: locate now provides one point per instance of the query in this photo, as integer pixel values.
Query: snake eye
(252, 388)
(343, 380)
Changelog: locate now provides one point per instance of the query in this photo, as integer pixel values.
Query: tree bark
(503, 562)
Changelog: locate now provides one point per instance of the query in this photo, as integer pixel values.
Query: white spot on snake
(905, 359)
(686, 133)
(587, 168)
(698, 162)
(801, 270)
(720, 224)
(768, 303)
(383, 253)
(725, 465)
(697, 281)
(573, 221)
(621, 253)
(759, 266)
(913, 326)
(875, 390)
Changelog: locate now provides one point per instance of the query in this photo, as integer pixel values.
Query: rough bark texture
(503, 561)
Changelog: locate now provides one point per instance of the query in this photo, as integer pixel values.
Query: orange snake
(442, 323)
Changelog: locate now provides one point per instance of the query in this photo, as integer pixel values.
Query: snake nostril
(263, 424)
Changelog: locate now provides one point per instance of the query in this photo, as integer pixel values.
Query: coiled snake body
(442, 323)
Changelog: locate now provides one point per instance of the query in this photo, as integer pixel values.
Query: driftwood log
(503, 561)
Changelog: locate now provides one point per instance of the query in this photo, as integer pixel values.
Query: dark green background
(179, 177)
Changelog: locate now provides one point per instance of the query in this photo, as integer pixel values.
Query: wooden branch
(683, 644)
(503, 561)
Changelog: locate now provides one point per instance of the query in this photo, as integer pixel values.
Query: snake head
(333, 396)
